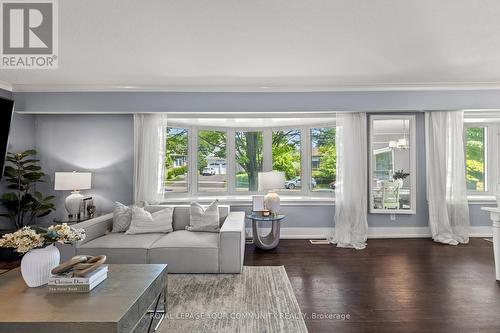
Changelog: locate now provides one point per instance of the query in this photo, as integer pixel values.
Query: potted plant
(399, 176)
(40, 255)
(24, 204)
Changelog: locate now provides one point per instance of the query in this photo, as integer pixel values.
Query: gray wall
(420, 218)
(64, 102)
(104, 143)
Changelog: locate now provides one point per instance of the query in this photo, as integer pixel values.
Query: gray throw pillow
(144, 222)
(122, 215)
(204, 219)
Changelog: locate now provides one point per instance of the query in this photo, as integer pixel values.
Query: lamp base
(72, 203)
(272, 202)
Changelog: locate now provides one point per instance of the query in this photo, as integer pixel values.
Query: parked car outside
(297, 182)
(293, 183)
(208, 172)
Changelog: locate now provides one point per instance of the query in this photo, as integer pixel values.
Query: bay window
(203, 159)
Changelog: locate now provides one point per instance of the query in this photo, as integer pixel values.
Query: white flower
(64, 234)
(23, 240)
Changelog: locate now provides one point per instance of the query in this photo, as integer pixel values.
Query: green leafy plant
(21, 173)
(400, 174)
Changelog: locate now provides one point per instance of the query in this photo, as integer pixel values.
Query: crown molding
(5, 86)
(250, 88)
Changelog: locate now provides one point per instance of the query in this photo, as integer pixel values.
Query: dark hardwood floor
(394, 285)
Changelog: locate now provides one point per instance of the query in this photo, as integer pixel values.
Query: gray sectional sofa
(184, 251)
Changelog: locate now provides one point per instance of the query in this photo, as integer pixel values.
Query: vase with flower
(40, 255)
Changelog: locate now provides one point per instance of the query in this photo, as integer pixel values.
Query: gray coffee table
(272, 239)
(116, 305)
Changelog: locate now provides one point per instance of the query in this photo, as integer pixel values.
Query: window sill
(246, 200)
(481, 199)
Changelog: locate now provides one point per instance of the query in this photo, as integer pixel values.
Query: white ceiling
(229, 45)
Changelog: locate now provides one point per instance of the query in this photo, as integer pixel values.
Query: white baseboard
(375, 232)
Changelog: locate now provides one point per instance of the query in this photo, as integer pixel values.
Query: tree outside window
(212, 162)
(176, 160)
(323, 159)
(475, 159)
(286, 157)
(248, 160)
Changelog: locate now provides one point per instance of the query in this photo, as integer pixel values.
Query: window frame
(309, 163)
(492, 156)
(196, 132)
(189, 160)
(305, 151)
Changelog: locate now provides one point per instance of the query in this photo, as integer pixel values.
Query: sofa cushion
(121, 217)
(204, 219)
(187, 252)
(181, 214)
(144, 222)
(121, 248)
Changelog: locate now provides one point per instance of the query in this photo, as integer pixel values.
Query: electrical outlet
(393, 217)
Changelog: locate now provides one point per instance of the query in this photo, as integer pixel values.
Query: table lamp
(271, 181)
(74, 182)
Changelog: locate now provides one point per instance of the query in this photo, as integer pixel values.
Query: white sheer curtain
(149, 157)
(446, 184)
(351, 226)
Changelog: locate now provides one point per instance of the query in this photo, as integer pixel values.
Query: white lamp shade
(403, 143)
(271, 180)
(72, 181)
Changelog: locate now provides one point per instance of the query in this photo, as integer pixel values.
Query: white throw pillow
(204, 219)
(144, 222)
(122, 215)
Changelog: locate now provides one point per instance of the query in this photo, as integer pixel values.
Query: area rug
(260, 299)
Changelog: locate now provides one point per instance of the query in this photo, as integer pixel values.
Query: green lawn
(242, 180)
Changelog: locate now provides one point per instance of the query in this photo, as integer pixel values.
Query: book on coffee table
(64, 283)
(75, 288)
(67, 279)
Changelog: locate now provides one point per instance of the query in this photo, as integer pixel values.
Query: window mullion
(231, 161)
(193, 161)
(305, 151)
(267, 149)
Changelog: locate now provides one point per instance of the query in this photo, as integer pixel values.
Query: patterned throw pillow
(204, 219)
(122, 215)
(144, 222)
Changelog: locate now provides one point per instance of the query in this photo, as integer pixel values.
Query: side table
(271, 240)
(67, 220)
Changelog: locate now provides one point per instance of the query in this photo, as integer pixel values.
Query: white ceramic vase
(37, 264)
(272, 202)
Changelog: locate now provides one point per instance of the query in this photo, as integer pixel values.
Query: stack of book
(67, 284)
